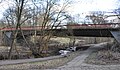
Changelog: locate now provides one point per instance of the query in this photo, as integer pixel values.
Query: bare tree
(45, 13)
(53, 14)
(13, 16)
(97, 18)
(70, 29)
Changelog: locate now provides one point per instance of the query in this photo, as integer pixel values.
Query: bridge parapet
(93, 26)
(69, 26)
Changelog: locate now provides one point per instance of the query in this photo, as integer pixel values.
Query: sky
(94, 5)
(3, 6)
(85, 6)
(82, 7)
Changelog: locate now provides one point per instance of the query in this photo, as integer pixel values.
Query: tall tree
(38, 12)
(97, 18)
(51, 15)
(13, 17)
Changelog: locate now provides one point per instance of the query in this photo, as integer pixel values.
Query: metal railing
(72, 26)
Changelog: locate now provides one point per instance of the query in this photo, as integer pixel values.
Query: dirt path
(10, 62)
(79, 60)
(78, 64)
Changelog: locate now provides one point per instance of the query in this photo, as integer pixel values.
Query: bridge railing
(110, 25)
(70, 26)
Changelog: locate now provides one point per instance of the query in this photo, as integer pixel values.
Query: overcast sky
(94, 5)
(82, 6)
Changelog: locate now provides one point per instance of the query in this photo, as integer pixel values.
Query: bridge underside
(75, 32)
(86, 32)
(66, 32)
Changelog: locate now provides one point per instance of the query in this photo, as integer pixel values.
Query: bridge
(69, 26)
(88, 30)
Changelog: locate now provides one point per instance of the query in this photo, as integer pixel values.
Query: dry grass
(104, 57)
(43, 64)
